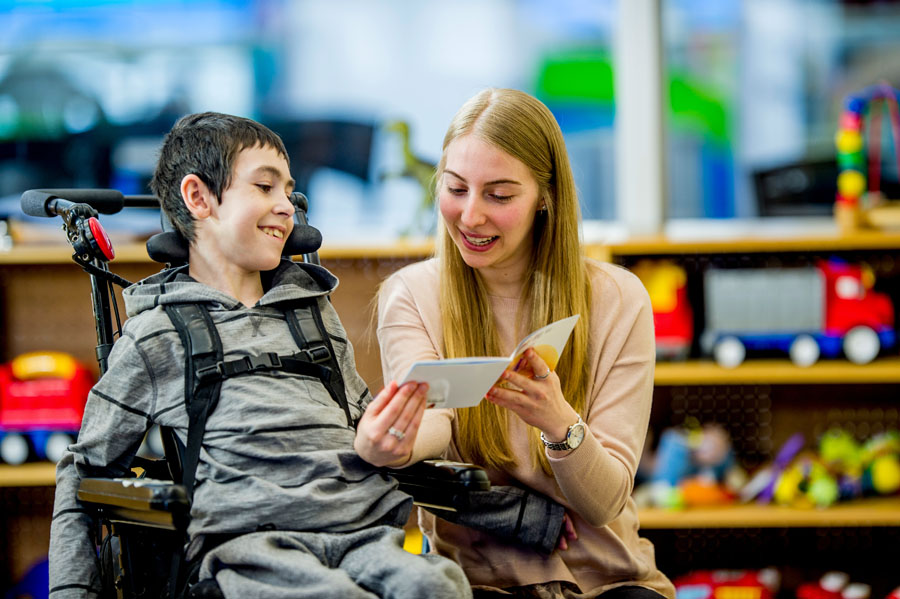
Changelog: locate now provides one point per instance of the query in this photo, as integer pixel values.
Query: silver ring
(396, 433)
(542, 376)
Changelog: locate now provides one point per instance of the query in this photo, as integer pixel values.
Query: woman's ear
(196, 196)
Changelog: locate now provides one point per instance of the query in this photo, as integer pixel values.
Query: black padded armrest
(157, 503)
(440, 483)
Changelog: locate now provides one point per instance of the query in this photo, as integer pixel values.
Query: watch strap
(564, 444)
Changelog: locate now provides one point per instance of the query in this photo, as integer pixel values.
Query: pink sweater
(594, 482)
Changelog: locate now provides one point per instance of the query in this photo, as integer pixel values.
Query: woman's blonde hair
(557, 284)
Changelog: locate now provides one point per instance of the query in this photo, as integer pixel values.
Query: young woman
(508, 261)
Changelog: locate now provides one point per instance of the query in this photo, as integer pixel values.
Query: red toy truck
(807, 312)
(42, 397)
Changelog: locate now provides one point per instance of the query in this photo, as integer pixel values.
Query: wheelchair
(141, 523)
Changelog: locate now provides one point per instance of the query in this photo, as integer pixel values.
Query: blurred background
(750, 95)
(362, 92)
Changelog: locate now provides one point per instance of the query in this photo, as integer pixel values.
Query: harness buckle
(266, 361)
(209, 372)
(317, 354)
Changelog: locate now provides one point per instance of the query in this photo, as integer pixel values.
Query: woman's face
(489, 201)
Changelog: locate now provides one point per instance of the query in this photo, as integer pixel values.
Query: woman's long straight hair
(557, 285)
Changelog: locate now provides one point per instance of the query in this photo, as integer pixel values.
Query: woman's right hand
(387, 430)
(567, 535)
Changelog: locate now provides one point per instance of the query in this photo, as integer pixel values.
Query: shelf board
(870, 512)
(32, 474)
(765, 372)
(59, 253)
(827, 242)
(881, 511)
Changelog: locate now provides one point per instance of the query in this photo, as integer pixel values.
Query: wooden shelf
(655, 245)
(882, 511)
(869, 512)
(59, 253)
(50, 253)
(764, 372)
(36, 474)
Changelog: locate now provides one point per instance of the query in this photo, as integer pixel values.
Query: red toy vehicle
(673, 319)
(822, 310)
(728, 584)
(42, 397)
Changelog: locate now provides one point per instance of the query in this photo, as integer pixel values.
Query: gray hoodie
(277, 450)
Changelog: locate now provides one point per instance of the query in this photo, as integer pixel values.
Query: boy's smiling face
(248, 227)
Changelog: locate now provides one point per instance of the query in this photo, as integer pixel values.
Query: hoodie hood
(289, 281)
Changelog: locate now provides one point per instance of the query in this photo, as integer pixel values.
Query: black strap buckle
(316, 354)
(266, 361)
(211, 372)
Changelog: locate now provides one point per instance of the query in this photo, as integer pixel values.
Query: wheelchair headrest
(169, 247)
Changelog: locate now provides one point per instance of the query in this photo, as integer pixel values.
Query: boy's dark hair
(204, 144)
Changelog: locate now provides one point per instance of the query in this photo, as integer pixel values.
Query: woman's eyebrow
(494, 182)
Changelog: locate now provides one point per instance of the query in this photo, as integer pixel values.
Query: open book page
(463, 382)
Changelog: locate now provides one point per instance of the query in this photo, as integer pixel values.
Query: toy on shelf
(834, 585)
(42, 397)
(839, 469)
(807, 312)
(694, 466)
(728, 584)
(673, 319)
(859, 202)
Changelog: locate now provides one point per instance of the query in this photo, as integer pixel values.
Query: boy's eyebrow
(271, 170)
(494, 182)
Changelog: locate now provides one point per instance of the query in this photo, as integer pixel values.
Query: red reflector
(101, 238)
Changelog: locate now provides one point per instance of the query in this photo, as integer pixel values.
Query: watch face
(576, 435)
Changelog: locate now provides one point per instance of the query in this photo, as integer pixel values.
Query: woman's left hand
(537, 397)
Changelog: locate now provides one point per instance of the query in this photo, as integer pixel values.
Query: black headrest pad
(169, 247)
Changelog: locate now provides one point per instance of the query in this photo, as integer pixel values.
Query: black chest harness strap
(205, 368)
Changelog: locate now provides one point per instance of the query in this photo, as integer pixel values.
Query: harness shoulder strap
(309, 332)
(203, 352)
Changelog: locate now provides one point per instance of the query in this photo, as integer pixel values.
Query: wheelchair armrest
(139, 501)
(440, 483)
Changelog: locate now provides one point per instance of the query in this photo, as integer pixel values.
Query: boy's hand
(387, 430)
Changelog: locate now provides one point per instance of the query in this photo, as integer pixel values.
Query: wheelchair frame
(146, 517)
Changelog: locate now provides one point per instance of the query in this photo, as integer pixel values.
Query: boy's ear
(197, 196)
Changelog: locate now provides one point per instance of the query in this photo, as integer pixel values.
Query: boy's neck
(244, 286)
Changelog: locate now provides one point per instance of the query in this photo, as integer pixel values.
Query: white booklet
(463, 382)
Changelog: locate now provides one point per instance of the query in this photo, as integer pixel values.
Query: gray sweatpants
(368, 564)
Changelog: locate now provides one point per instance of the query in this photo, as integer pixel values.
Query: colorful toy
(692, 466)
(806, 312)
(842, 469)
(42, 397)
(829, 586)
(859, 202)
(728, 584)
(673, 319)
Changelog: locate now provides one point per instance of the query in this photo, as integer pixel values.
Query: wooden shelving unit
(882, 511)
(45, 304)
(778, 372)
(38, 474)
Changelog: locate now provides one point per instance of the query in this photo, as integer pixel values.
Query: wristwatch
(574, 437)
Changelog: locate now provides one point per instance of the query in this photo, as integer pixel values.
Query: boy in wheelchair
(282, 503)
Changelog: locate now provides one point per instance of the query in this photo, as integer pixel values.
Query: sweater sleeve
(404, 339)
(116, 416)
(597, 478)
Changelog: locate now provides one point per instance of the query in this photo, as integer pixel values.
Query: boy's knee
(447, 578)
